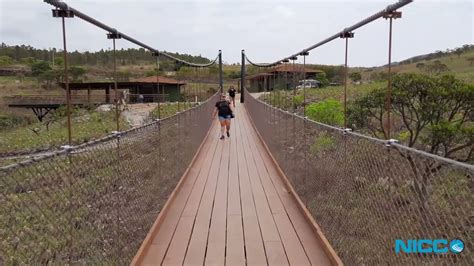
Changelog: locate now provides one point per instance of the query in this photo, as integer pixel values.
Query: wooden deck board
(304, 231)
(235, 251)
(233, 208)
(254, 248)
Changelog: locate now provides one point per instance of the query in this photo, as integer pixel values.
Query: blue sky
(267, 30)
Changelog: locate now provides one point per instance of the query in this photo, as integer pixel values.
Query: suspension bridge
(281, 190)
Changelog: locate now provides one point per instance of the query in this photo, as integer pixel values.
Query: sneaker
(228, 134)
(222, 137)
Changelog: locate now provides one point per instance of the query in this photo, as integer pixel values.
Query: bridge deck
(233, 208)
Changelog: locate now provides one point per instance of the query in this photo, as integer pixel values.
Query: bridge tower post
(113, 36)
(295, 82)
(242, 78)
(61, 13)
(391, 16)
(221, 83)
(304, 54)
(346, 35)
(157, 55)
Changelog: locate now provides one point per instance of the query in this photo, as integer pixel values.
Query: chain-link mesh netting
(95, 203)
(365, 193)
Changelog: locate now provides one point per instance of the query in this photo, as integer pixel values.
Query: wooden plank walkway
(233, 207)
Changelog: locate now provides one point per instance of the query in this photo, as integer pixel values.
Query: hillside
(459, 64)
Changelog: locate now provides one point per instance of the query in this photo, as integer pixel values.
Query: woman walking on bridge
(224, 112)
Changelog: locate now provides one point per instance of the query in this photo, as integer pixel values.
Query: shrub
(5, 60)
(39, 68)
(328, 112)
(12, 121)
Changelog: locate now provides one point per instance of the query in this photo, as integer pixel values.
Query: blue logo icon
(437, 246)
(456, 246)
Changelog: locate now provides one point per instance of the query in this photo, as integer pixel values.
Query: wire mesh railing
(94, 203)
(365, 193)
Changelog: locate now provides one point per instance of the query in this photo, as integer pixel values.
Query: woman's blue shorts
(226, 117)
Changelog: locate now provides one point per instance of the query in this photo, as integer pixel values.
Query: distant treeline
(27, 54)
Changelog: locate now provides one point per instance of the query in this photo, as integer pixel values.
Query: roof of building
(161, 79)
(294, 68)
(122, 84)
(259, 75)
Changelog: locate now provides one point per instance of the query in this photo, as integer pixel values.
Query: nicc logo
(438, 246)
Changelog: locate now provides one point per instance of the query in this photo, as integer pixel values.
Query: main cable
(63, 6)
(389, 9)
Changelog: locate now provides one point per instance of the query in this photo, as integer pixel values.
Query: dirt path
(137, 114)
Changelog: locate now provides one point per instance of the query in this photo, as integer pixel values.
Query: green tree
(28, 61)
(321, 77)
(48, 77)
(421, 66)
(40, 67)
(5, 60)
(435, 112)
(77, 72)
(459, 52)
(355, 76)
(436, 68)
(328, 112)
(58, 61)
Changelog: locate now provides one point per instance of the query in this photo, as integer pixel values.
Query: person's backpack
(224, 107)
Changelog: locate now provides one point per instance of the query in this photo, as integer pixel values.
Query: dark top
(232, 92)
(224, 108)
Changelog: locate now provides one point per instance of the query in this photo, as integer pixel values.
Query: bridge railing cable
(94, 203)
(365, 193)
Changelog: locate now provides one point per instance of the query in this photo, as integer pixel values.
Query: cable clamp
(390, 142)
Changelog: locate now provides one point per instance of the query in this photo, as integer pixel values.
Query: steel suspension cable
(63, 6)
(389, 9)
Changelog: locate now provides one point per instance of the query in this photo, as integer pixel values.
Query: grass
(168, 109)
(284, 99)
(86, 125)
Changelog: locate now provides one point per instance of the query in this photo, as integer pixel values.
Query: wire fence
(94, 203)
(365, 193)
